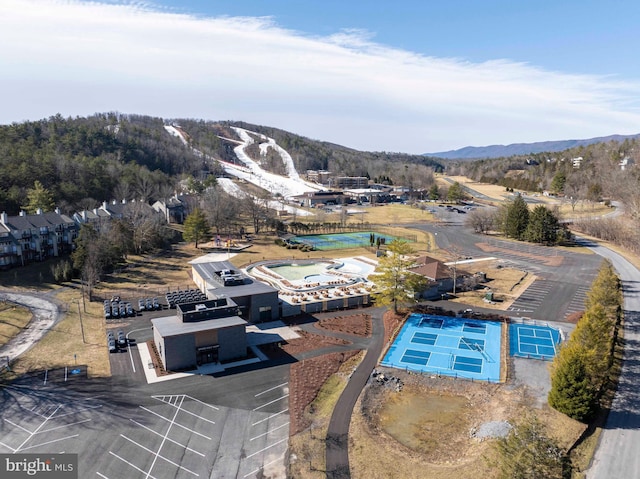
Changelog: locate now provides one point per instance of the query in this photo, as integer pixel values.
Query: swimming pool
(458, 347)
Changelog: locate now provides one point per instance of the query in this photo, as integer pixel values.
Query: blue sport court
(533, 341)
(340, 240)
(449, 346)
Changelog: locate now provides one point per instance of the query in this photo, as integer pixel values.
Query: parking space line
(173, 421)
(270, 430)
(102, 475)
(169, 439)
(18, 425)
(269, 417)
(50, 442)
(157, 454)
(37, 429)
(8, 447)
(177, 424)
(271, 402)
(203, 403)
(268, 447)
(179, 408)
(46, 373)
(271, 389)
(265, 465)
(133, 465)
(64, 425)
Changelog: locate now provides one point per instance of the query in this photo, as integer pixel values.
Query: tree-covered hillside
(81, 162)
(84, 161)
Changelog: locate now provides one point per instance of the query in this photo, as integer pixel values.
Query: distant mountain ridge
(498, 151)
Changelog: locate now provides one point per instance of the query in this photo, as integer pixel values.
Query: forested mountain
(495, 151)
(84, 161)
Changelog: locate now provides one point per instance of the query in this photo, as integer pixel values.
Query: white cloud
(79, 58)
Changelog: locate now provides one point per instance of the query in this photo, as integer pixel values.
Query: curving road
(337, 440)
(618, 452)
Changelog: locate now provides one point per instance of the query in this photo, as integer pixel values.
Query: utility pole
(81, 325)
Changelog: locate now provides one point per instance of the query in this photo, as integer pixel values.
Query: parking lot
(229, 427)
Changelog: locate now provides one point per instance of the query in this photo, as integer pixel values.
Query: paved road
(337, 440)
(618, 453)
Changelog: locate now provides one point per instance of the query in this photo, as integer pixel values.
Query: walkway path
(337, 440)
(45, 315)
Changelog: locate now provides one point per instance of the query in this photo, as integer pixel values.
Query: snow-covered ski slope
(285, 186)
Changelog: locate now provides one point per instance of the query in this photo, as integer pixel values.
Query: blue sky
(411, 76)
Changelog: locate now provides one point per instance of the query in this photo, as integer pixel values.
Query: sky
(411, 76)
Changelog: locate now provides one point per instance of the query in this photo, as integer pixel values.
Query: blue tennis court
(533, 341)
(449, 346)
(340, 240)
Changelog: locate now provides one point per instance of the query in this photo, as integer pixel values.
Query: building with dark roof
(439, 276)
(200, 333)
(258, 301)
(26, 238)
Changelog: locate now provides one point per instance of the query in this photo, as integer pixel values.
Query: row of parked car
(187, 296)
(116, 341)
(117, 309)
(149, 304)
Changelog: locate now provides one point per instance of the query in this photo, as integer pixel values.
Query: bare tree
(482, 220)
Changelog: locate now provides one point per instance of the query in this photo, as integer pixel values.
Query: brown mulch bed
(356, 324)
(391, 323)
(305, 380)
(155, 358)
(309, 341)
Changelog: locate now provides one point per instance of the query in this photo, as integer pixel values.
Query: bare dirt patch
(356, 324)
(439, 418)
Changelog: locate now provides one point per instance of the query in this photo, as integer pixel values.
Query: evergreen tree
(528, 453)
(516, 218)
(196, 227)
(39, 198)
(558, 182)
(571, 388)
(434, 192)
(455, 193)
(543, 226)
(395, 281)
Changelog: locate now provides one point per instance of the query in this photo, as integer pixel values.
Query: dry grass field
(12, 319)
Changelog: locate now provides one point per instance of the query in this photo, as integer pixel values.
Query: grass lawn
(12, 319)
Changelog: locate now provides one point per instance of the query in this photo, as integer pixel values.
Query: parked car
(112, 346)
(130, 311)
(156, 304)
(149, 304)
(122, 339)
(141, 304)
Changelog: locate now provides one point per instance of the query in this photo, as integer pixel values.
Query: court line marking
(177, 424)
(132, 465)
(270, 430)
(270, 389)
(157, 454)
(169, 439)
